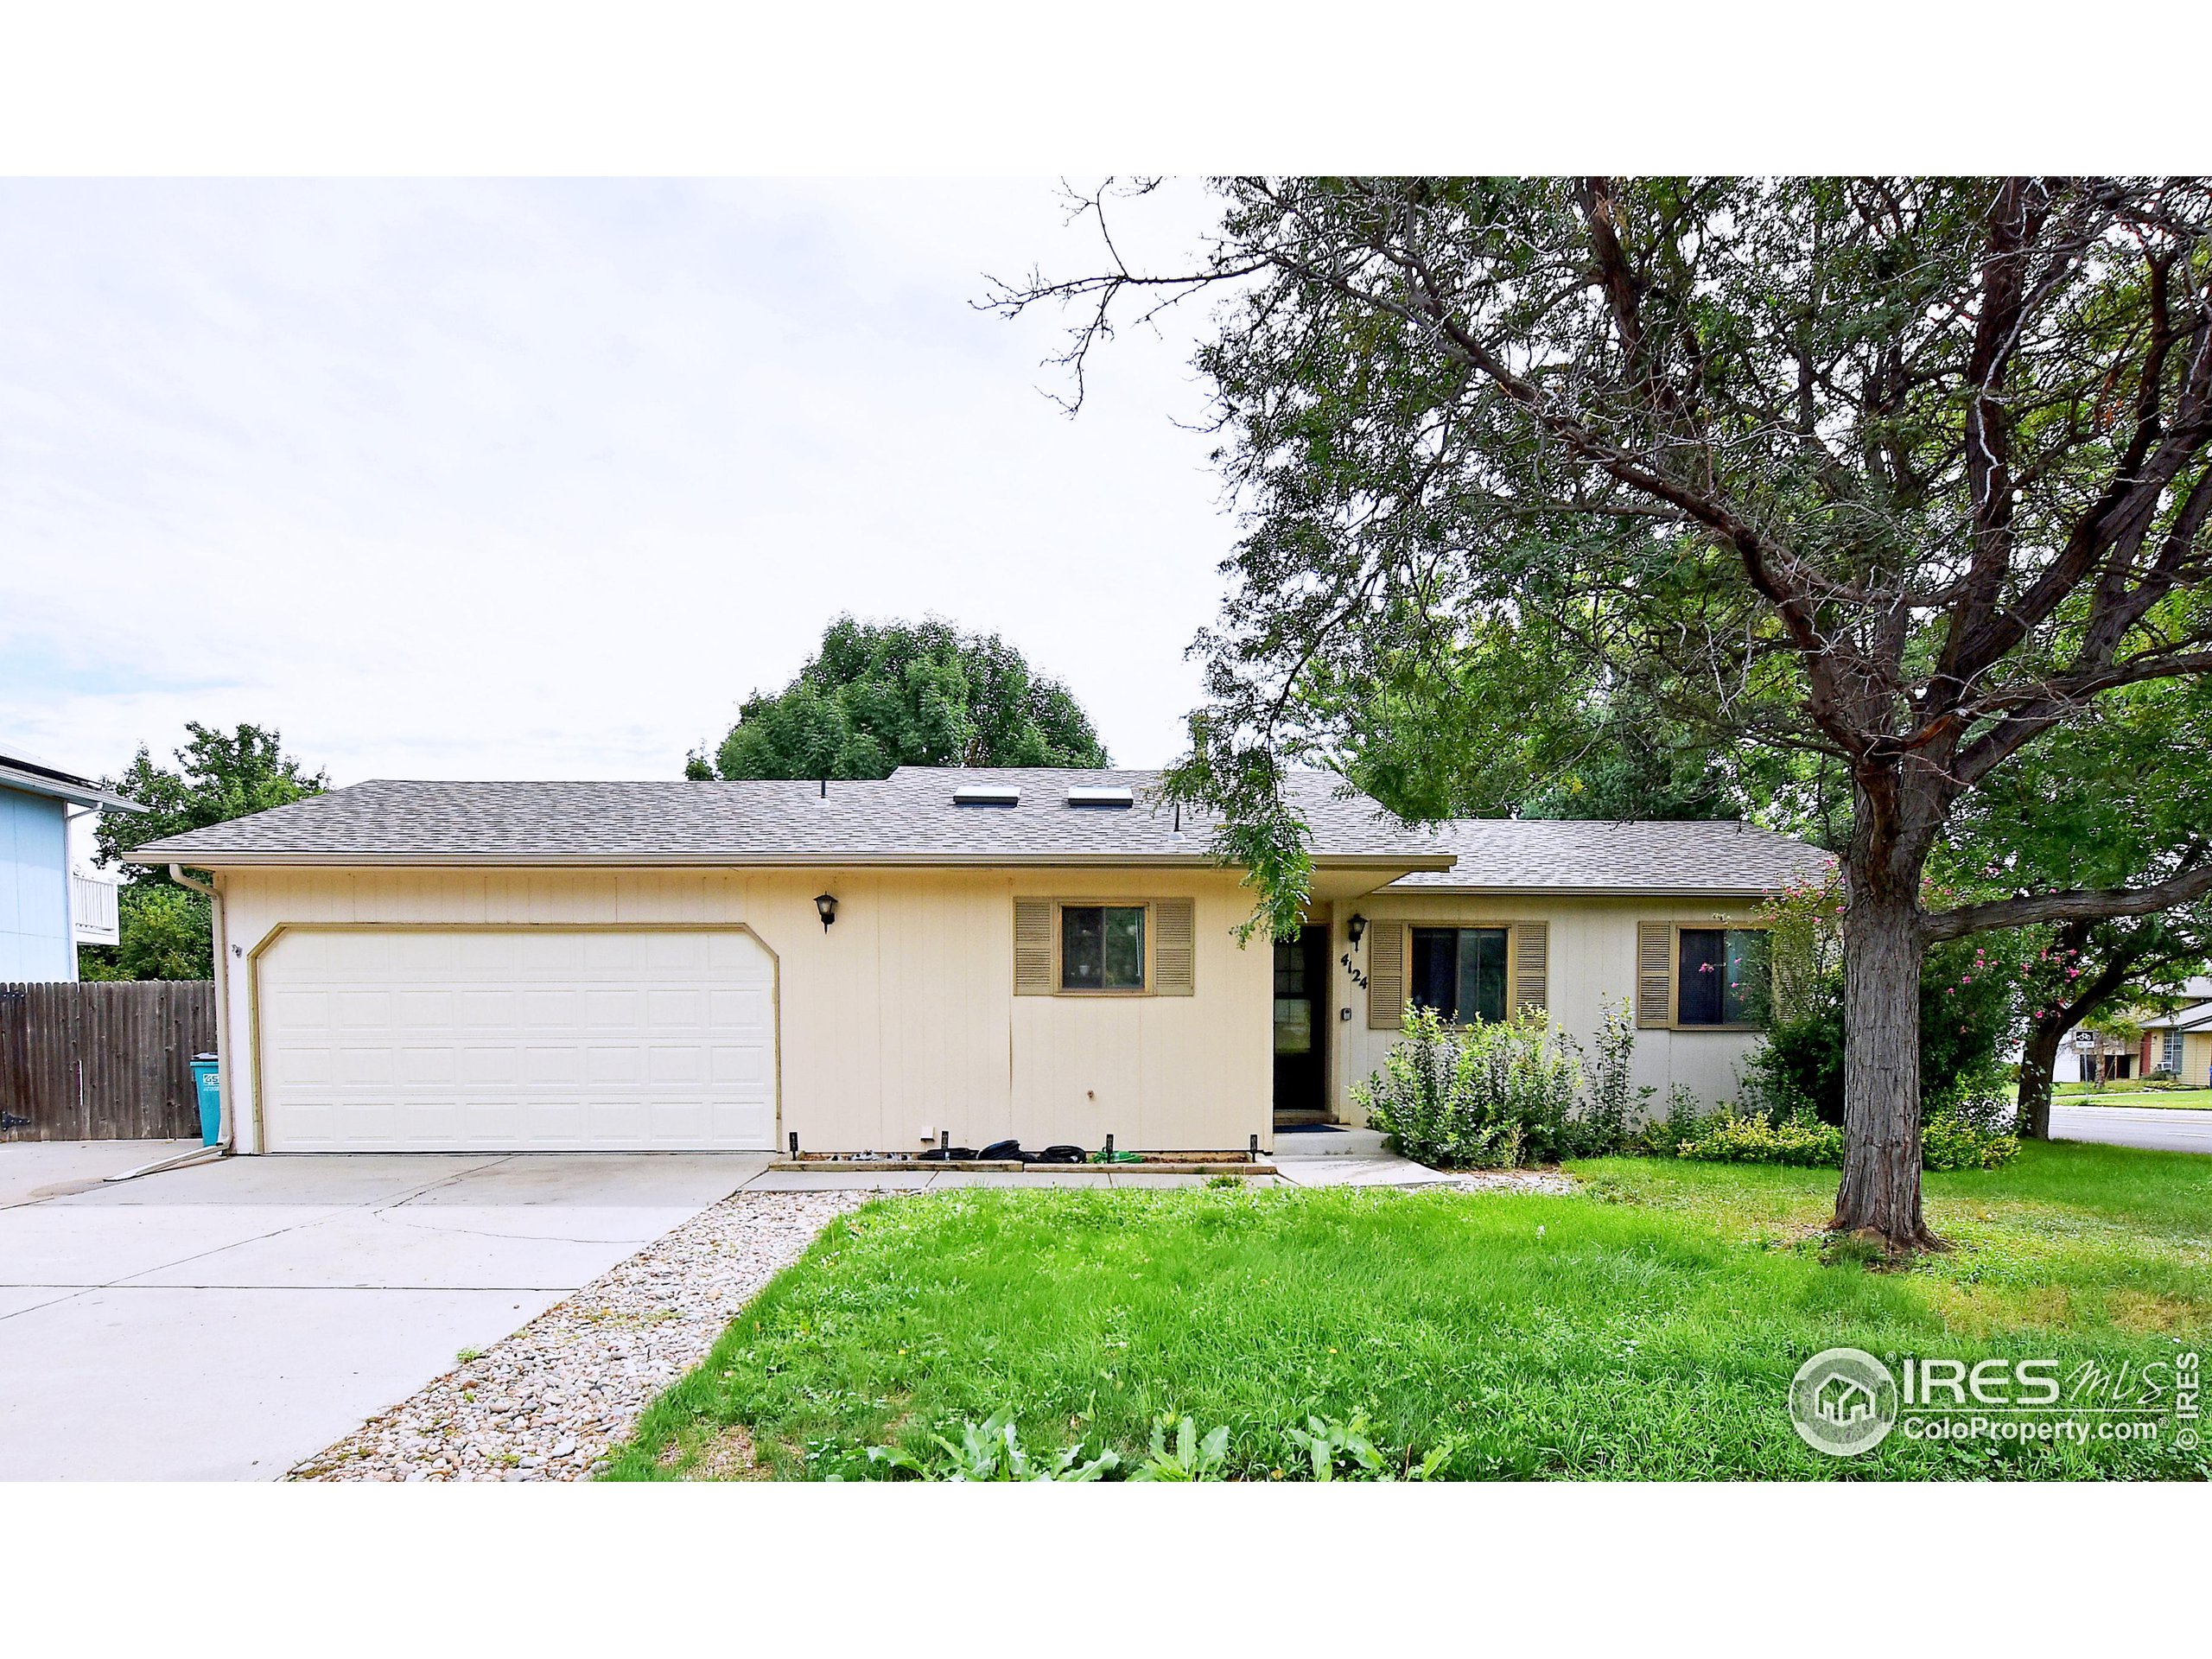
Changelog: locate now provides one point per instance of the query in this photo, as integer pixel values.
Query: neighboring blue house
(46, 907)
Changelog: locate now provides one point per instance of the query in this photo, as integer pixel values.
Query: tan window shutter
(1174, 946)
(1386, 976)
(1532, 950)
(1033, 947)
(1653, 982)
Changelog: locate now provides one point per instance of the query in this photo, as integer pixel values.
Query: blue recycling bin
(208, 1084)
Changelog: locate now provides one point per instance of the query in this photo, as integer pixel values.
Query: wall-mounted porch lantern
(1356, 929)
(826, 905)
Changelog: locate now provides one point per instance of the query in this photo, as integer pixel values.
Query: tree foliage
(2121, 798)
(1900, 473)
(1502, 724)
(165, 930)
(881, 696)
(218, 776)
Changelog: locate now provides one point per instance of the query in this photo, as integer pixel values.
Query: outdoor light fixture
(1356, 929)
(826, 905)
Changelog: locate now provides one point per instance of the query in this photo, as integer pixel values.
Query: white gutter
(809, 860)
(223, 1132)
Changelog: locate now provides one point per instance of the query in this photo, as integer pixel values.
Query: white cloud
(538, 478)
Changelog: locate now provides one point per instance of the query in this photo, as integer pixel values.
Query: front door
(1301, 1023)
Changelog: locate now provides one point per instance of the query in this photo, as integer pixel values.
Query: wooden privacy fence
(103, 1061)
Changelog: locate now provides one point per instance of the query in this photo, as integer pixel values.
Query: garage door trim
(269, 939)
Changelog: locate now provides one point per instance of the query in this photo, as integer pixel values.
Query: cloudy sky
(538, 480)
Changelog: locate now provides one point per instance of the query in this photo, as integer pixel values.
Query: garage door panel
(741, 1009)
(484, 1067)
(428, 1010)
(492, 1040)
(614, 1010)
(742, 1063)
(552, 1010)
(677, 1009)
(361, 1010)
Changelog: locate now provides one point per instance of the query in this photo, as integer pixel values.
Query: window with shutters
(1071, 948)
(1101, 947)
(1459, 972)
(1722, 976)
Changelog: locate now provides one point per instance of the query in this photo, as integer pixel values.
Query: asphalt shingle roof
(907, 817)
(1588, 856)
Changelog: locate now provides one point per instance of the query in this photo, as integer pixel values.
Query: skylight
(1100, 795)
(987, 795)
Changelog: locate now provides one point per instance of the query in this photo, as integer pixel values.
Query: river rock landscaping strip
(1506, 1180)
(545, 1403)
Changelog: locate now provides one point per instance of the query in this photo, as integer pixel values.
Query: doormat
(1310, 1129)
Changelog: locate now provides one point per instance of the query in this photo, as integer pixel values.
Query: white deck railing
(93, 909)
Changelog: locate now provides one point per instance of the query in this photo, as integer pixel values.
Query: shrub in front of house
(1500, 1093)
(1971, 1133)
(1967, 991)
(1974, 1132)
(1799, 1140)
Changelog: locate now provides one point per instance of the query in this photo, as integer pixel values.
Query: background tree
(881, 696)
(1900, 472)
(1503, 723)
(2121, 798)
(166, 931)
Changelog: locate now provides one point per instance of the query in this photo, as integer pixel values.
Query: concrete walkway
(1348, 1157)
(1328, 1158)
(224, 1321)
(2159, 1128)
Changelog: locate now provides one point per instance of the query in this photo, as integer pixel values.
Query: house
(2180, 1044)
(51, 899)
(1043, 955)
(1843, 1401)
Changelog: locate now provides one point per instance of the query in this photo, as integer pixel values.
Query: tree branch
(2081, 905)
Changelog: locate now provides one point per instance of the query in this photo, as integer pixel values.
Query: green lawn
(2198, 1100)
(1646, 1328)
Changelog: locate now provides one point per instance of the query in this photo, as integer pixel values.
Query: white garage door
(540, 1039)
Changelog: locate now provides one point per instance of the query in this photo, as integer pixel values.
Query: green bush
(1972, 1132)
(1686, 1115)
(1969, 1134)
(1491, 1094)
(168, 932)
(1800, 1140)
(1966, 989)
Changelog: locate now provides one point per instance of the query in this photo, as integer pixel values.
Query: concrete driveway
(222, 1322)
(2158, 1127)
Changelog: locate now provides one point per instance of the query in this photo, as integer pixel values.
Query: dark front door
(1301, 1022)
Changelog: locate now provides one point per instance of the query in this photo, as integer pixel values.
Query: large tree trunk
(1882, 945)
(2038, 1065)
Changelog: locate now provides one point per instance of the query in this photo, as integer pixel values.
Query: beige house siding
(901, 1016)
(1591, 961)
(2196, 1056)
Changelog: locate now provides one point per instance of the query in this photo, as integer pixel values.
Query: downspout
(69, 878)
(225, 1133)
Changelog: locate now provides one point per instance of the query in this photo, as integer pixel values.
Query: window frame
(1061, 988)
(1675, 932)
(1512, 962)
